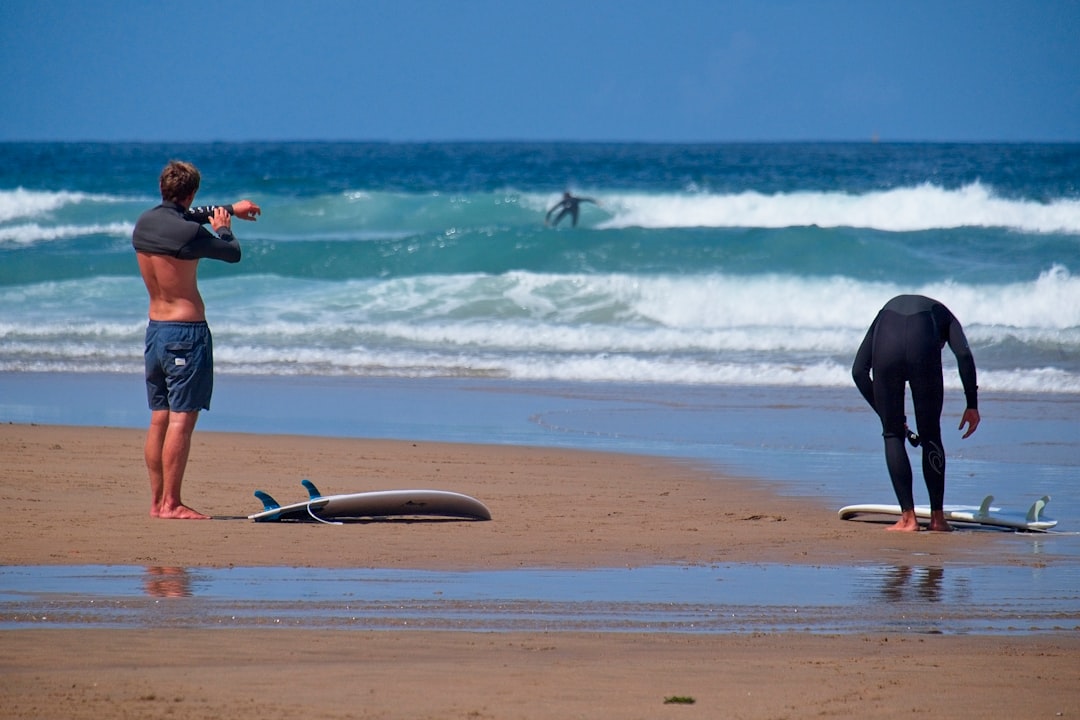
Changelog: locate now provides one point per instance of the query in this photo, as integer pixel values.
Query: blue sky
(630, 70)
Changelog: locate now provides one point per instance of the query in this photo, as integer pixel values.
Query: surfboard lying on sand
(984, 514)
(377, 504)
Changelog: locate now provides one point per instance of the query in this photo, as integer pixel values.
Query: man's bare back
(173, 288)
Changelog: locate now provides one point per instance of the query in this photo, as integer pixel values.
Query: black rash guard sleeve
(206, 244)
(203, 213)
(168, 230)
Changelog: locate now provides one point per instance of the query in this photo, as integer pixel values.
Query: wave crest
(907, 209)
(21, 203)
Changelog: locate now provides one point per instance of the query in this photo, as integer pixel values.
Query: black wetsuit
(569, 204)
(903, 345)
(170, 230)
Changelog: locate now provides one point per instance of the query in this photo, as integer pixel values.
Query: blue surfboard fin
(268, 502)
(313, 491)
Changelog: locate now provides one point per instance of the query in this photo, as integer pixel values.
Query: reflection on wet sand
(904, 583)
(901, 583)
(167, 582)
(730, 598)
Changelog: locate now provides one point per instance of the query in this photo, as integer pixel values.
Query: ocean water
(701, 265)
(708, 307)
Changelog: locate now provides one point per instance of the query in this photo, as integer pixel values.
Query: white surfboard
(1032, 521)
(376, 504)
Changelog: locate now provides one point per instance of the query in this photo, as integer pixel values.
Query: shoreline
(85, 489)
(818, 444)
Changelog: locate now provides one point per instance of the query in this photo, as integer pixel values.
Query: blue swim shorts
(179, 366)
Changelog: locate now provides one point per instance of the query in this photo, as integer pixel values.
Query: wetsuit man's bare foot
(938, 523)
(906, 523)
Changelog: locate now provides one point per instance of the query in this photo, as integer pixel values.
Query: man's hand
(220, 219)
(971, 419)
(246, 210)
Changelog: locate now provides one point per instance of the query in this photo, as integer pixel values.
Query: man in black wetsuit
(903, 345)
(568, 205)
(169, 241)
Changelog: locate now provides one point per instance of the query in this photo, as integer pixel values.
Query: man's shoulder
(149, 213)
(162, 230)
(163, 212)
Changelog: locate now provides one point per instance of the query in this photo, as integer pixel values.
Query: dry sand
(79, 496)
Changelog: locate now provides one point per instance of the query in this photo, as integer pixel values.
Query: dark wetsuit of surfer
(903, 345)
(568, 205)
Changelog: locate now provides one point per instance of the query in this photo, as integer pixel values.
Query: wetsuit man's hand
(220, 219)
(246, 210)
(971, 419)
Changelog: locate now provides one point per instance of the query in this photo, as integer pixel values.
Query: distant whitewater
(722, 264)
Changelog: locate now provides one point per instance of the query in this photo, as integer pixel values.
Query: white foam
(709, 329)
(32, 233)
(907, 209)
(22, 203)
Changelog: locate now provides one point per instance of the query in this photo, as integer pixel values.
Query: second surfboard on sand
(1031, 521)
(376, 504)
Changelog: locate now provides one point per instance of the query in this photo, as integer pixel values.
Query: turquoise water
(702, 264)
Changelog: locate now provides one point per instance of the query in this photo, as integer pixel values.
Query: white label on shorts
(181, 361)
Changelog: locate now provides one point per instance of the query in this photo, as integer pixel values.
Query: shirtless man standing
(169, 241)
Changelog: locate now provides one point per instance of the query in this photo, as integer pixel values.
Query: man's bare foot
(904, 526)
(937, 522)
(906, 523)
(180, 512)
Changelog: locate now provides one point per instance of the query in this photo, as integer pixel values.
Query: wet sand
(287, 674)
(78, 495)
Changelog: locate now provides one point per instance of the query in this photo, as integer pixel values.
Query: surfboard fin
(268, 502)
(313, 491)
(1036, 509)
(984, 509)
